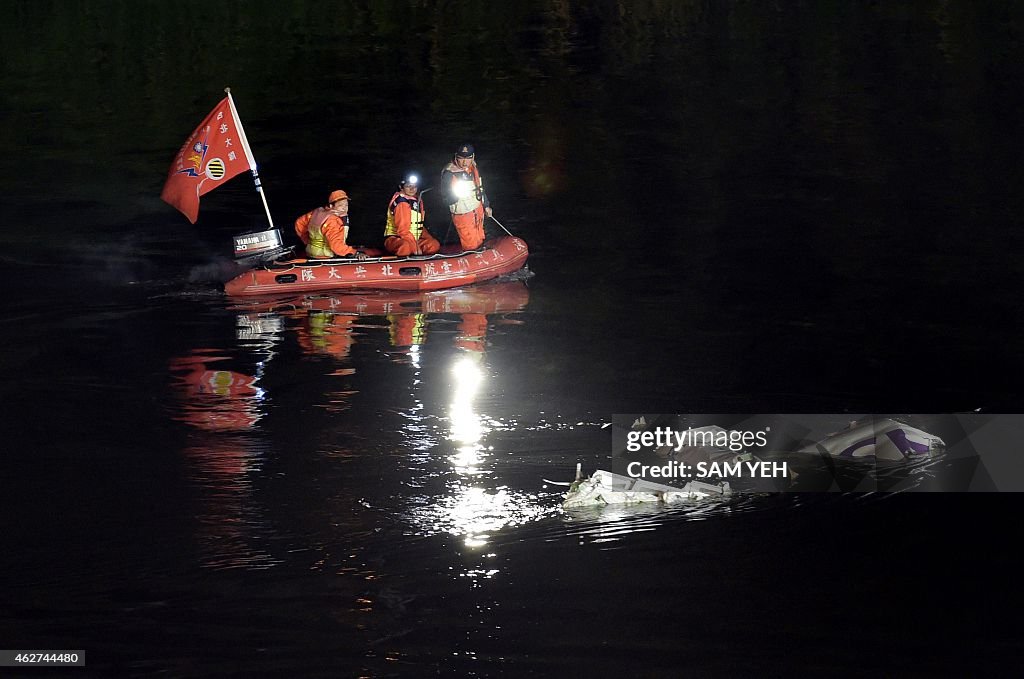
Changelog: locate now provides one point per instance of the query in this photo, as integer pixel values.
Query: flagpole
(248, 156)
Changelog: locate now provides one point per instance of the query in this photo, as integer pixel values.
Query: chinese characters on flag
(213, 154)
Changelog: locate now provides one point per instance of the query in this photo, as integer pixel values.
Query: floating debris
(606, 488)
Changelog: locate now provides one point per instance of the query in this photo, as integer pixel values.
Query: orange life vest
(417, 212)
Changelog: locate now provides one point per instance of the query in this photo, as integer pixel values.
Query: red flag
(216, 152)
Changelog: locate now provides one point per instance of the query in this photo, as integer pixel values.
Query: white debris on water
(606, 488)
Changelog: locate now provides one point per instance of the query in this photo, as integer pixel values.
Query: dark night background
(757, 207)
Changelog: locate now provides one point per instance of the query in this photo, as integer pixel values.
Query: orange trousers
(470, 227)
(403, 247)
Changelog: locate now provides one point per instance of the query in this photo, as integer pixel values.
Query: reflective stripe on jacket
(317, 245)
(405, 215)
(465, 188)
(324, 233)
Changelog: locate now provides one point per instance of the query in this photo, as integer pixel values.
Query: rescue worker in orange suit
(324, 230)
(404, 233)
(467, 200)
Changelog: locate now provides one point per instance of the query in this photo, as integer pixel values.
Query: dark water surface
(731, 207)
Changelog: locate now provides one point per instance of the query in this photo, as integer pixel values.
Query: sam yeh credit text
(704, 469)
(704, 438)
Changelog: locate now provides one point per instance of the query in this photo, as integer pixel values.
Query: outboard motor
(263, 246)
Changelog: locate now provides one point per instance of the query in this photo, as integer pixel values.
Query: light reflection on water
(475, 513)
(466, 426)
(230, 391)
(476, 504)
(457, 477)
(470, 508)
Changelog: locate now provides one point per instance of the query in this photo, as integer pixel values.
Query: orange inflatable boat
(447, 269)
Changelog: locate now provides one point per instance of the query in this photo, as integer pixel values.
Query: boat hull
(495, 297)
(498, 257)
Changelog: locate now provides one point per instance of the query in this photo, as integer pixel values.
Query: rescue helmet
(336, 196)
(465, 151)
(411, 179)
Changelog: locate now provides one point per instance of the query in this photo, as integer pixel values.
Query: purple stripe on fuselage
(859, 444)
(905, 445)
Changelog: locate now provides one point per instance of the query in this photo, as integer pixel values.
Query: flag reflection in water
(213, 397)
(222, 407)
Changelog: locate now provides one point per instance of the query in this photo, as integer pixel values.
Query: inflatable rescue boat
(447, 269)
